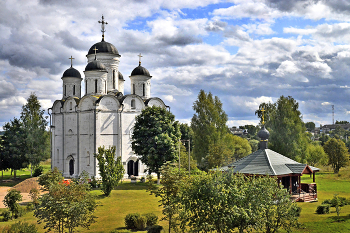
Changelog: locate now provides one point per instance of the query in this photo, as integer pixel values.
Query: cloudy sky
(244, 51)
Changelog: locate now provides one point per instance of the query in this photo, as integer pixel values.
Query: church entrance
(133, 168)
(71, 167)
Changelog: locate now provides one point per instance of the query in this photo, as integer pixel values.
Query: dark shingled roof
(71, 72)
(120, 76)
(140, 70)
(268, 162)
(95, 65)
(103, 47)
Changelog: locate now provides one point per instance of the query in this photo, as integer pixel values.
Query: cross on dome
(103, 22)
(95, 51)
(139, 58)
(263, 112)
(71, 61)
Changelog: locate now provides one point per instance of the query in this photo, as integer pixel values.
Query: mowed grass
(132, 198)
(111, 211)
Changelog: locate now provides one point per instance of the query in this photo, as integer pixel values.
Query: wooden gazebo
(288, 172)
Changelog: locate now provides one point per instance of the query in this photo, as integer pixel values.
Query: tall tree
(34, 125)
(287, 130)
(14, 146)
(155, 138)
(208, 123)
(316, 155)
(310, 126)
(337, 152)
(186, 134)
(341, 122)
(111, 169)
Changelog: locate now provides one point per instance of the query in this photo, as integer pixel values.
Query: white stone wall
(68, 87)
(101, 77)
(139, 81)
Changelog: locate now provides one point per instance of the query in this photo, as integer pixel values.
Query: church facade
(103, 116)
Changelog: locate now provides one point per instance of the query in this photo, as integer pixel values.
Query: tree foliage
(111, 169)
(208, 123)
(155, 137)
(11, 201)
(184, 159)
(316, 155)
(14, 146)
(52, 177)
(287, 130)
(186, 134)
(337, 152)
(310, 126)
(222, 202)
(65, 206)
(36, 137)
(341, 122)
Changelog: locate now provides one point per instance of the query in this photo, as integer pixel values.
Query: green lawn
(131, 198)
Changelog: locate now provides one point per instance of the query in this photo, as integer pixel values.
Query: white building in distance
(104, 116)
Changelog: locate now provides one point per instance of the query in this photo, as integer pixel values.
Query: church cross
(95, 51)
(103, 22)
(263, 113)
(139, 58)
(71, 61)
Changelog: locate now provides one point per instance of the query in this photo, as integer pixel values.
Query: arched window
(85, 87)
(73, 89)
(143, 89)
(133, 88)
(96, 86)
(133, 104)
(65, 90)
(70, 106)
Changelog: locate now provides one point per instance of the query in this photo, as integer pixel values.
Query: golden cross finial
(263, 111)
(139, 58)
(103, 22)
(95, 51)
(71, 61)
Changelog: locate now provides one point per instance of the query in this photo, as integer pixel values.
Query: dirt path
(3, 192)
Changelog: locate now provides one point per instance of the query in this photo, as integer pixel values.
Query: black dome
(103, 47)
(263, 133)
(120, 76)
(95, 65)
(140, 71)
(71, 72)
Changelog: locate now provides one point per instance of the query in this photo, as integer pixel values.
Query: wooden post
(290, 184)
(299, 181)
(313, 177)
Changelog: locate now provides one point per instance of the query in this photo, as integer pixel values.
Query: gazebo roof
(268, 162)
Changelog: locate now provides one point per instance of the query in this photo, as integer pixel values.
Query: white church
(103, 116)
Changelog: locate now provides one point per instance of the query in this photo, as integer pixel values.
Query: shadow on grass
(340, 218)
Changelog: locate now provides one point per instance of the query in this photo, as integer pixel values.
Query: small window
(113, 79)
(85, 87)
(65, 90)
(73, 89)
(143, 89)
(133, 89)
(95, 86)
(133, 104)
(70, 106)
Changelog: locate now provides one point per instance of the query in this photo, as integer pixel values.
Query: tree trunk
(14, 174)
(158, 180)
(31, 170)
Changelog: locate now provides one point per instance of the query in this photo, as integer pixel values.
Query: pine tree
(34, 125)
(208, 123)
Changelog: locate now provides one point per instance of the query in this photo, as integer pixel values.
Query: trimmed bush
(322, 209)
(151, 219)
(38, 171)
(327, 202)
(120, 231)
(130, 220)
(20, 227)
(155, 229)
(6, 215)
(140, 223)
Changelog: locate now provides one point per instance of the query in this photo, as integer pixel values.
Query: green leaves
(337, 152)
(155, 137)
(111, 169)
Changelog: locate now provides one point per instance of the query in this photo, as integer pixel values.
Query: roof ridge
(268, 159)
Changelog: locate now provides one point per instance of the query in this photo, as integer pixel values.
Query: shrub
(151, 219)
(155, 229)
(34, 195)
(120, 231)
(327, 202)
(130, 220)
(6, 215)
(20, 227)
(93, 182)
(322, 209)
(12, 197)
(19, 213)
(29, 207)
(38, 171)
(140, 223)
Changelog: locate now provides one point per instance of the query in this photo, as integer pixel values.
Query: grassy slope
(131, 198)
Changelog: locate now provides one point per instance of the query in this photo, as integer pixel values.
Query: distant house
(288, 172)
(327, 128)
